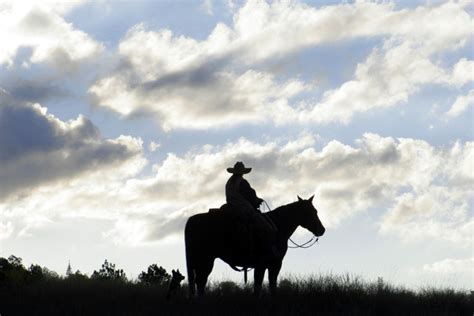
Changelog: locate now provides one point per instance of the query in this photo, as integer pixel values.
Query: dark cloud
(202, 74)
(35, 90)
(36, 148)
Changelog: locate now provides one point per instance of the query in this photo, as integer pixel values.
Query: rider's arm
(249, 193)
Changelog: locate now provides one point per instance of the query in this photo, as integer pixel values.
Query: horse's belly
(238, 262)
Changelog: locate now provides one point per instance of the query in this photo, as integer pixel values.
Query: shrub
(109, 272)
(154, 275)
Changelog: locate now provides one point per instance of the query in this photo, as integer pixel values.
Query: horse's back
(205, 226)
(219, 234)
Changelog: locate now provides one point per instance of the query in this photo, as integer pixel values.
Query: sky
(118, 120)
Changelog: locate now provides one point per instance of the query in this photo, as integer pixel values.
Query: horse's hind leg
(202, 273)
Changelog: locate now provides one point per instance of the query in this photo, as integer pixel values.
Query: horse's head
(309, 217)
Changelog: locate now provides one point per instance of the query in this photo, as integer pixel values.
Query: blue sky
(118, 120)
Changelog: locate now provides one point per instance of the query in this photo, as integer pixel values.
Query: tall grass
(317, 295)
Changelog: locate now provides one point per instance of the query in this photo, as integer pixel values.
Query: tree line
(13, 271)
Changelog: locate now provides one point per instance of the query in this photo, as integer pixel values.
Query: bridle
(311, 242)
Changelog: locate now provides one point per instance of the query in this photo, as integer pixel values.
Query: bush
(13, 271)
(39, 291)
(109, 272)
(154, 275)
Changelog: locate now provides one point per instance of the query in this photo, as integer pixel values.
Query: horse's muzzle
(320, 232)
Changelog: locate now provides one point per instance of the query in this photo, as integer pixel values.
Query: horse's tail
(189, 260)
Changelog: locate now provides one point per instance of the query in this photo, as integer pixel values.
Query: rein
(311, 242)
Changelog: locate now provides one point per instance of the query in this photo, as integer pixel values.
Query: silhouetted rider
(239, 194)
(242, 198)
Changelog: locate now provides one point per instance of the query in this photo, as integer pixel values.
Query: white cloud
(461, 104)
(463, 72)
(60, 7)
(38, 26)
(346, 180)
(221, 100)
(440, 207)
(388, 77)
(385, 79)
(206, 6)
(376, 172)
(5, 230)
(445, 273)
(187, 83)
(153, 146)
(449, 266)
(437, 213)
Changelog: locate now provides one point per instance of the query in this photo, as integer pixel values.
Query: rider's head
(239, 169)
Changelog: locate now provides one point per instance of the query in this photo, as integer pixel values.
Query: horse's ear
(299, 199)
(172, 271)
(311, 198)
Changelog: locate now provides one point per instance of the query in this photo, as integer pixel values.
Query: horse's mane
(281, 208)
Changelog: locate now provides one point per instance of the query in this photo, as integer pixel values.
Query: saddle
(224, 207)
(242, 228)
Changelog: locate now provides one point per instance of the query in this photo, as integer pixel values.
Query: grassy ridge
(320, 295)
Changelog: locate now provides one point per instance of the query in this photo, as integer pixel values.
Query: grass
(318, 295)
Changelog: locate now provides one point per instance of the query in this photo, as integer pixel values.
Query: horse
(213, 235)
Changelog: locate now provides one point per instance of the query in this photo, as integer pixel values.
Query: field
(319, 295)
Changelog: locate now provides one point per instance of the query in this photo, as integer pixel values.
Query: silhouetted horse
(214, 235)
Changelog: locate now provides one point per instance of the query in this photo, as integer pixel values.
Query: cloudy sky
(119, 118)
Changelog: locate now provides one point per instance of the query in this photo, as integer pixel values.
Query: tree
(12, 270)
(36, 272)
(15, 261)
(77, 276)
(154, 275)
(50, 274)
(109, 272)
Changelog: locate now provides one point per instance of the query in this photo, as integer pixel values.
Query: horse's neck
(285, 220)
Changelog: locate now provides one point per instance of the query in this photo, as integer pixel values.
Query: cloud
(6, 230)
(449, 266)
(44, 57)
(206, 6)
(40, 27)
(438, 213)
(422, 192)
(347, 180)
(59, 7)
(233, 100)
(153, 146)
(187, 83)
(38, 89)
(388, 77)
(461, 104)
(36, 148)
(439, 208)
(446, 272)
(462, 72)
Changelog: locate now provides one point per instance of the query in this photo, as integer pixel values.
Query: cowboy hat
(239, 168)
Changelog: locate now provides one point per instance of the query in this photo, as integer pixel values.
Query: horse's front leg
(273, 272)
(258, 274)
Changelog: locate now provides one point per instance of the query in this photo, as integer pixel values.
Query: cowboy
(242, 198)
